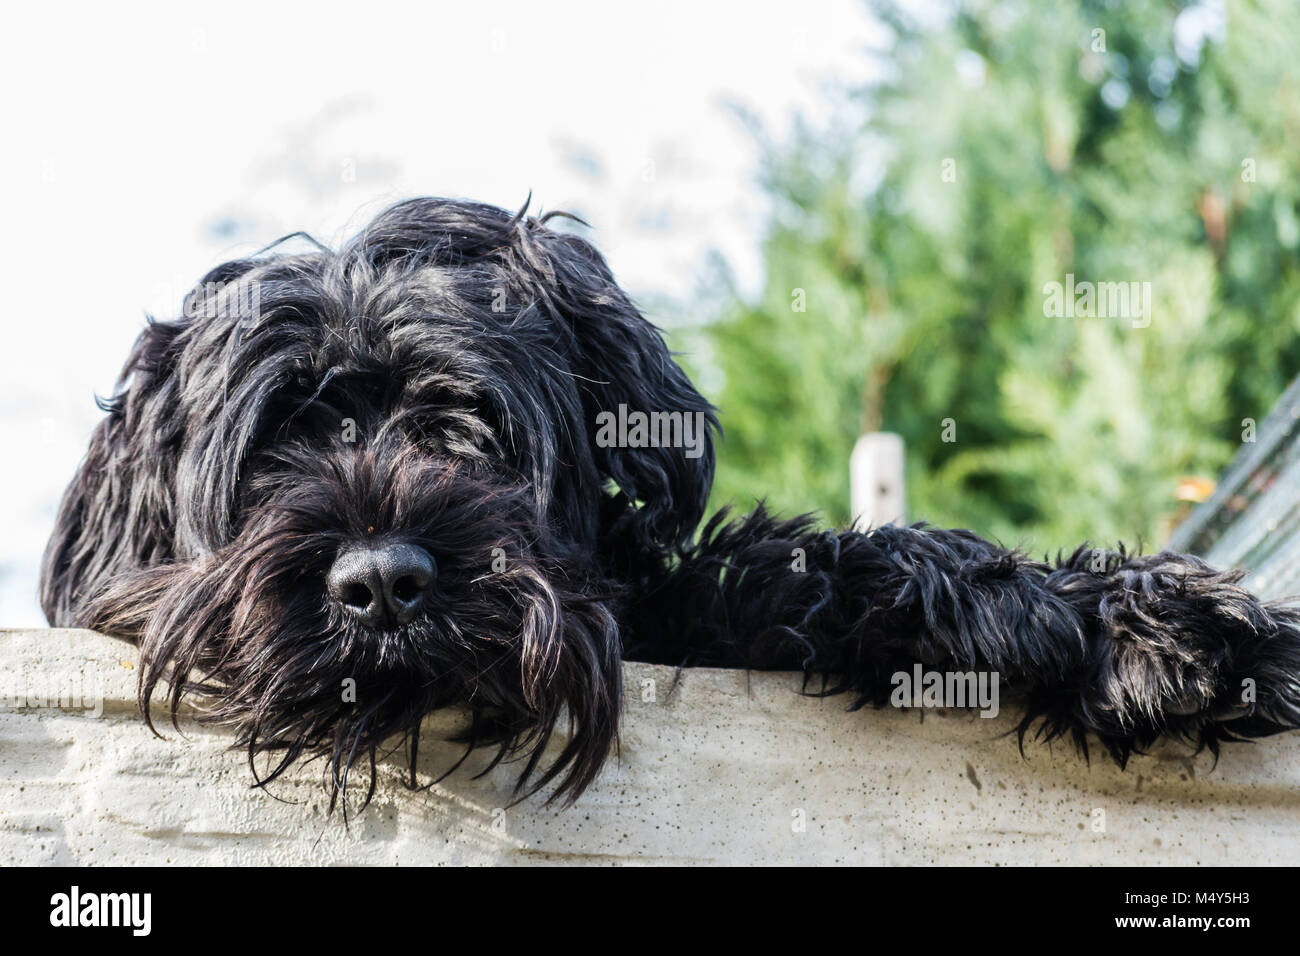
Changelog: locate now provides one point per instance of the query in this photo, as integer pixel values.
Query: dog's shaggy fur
(437, 383)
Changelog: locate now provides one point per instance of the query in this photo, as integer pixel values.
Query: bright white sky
(143, 147)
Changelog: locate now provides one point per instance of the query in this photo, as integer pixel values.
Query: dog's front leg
(1126, 648)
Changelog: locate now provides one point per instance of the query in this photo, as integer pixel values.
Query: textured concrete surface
(721, 767)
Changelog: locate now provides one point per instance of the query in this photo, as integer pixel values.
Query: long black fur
(437, 382)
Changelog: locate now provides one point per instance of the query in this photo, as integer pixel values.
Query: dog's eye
(454, 434)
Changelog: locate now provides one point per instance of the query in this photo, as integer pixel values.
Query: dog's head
(344, 489)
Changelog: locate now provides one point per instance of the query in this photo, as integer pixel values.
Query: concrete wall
(722, 769)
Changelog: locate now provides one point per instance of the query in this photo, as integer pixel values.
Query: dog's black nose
(383, 585)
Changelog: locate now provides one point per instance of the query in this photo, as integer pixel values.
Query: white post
(876, 481)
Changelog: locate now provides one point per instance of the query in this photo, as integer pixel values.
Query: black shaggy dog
(345, 489)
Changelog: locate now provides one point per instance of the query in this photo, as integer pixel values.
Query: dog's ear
(623, 366)
(158, 479)
(118, 513)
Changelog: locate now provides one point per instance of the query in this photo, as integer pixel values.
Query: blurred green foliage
(924, 298)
